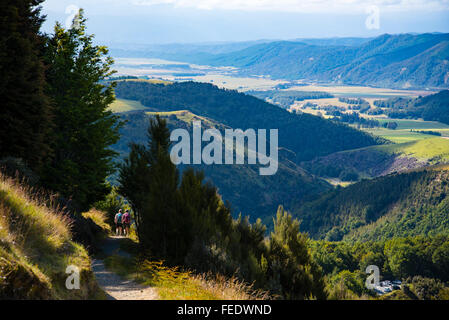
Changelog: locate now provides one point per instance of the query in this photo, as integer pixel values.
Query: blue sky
(193, 21)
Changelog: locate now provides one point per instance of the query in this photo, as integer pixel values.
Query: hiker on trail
(126, 219)
(118, 222)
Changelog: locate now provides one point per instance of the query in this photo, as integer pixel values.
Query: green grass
(422, 146)
(187, 117)
(397, 136)
(416, 124)
(123, 105)
(36, 248)
(403, 132)
(99, 218)
(433, 149)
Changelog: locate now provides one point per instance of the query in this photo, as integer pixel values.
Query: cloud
(349, 6)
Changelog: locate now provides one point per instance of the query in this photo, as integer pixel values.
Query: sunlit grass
(173, 283)
(99, 218)
(36, 247)
(433, 149)
(124, 105)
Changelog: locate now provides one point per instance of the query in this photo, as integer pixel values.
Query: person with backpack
(126, 222)
(118, 222)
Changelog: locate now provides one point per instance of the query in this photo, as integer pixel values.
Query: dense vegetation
(397, 205)
(25, 120)
(55, 133)
(84, 128)
(286, 98)
(434, 107)
(306, 135)
(54, 112)
(184, 221)
(420, 262)
(241, 185)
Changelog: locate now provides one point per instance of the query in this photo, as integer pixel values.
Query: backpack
(126, 217)
(118, 218)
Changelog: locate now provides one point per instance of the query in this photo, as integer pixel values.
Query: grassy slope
(403, 133)
(36, 248)
(430, 149)
(124, 105)
(380, 160)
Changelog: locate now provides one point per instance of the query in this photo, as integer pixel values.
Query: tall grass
(99, 217)
(172, 283)
(36, 247)
(33, 221)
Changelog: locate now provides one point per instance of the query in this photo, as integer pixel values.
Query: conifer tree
(84, 127)
(290, 262)
(25, 118)
(149, 179)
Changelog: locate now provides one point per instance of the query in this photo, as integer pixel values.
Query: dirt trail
(115, 286)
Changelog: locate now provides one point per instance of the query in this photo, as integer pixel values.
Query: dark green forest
(183, 220)
(397, 205)
(306, 135)
(434, 107)
(422, 263)
(241, 185)
(286, 98)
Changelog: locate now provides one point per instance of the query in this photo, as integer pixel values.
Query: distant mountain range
(394, 61)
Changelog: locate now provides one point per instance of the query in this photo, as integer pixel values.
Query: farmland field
(362, 92)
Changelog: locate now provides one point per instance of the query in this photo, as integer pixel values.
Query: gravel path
(116, 287)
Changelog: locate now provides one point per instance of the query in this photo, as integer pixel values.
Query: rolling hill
(300, 137)
(241, 185)
(397, 205)
(434, 107)
(381, 160)
(307, 136)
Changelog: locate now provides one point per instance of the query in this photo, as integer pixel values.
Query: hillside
(36, 247)
(241, 185)
(398, 205)
(433, 107)
(306, 135)
(399, 61)
(381, 160)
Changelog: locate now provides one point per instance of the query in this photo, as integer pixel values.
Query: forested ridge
(307, 135)
(397, 205)
(241, 185)
(434, 107)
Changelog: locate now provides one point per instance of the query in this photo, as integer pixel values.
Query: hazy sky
(170, 21)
